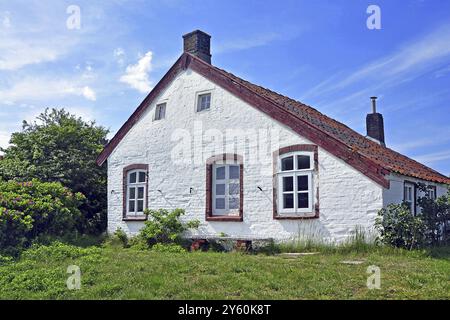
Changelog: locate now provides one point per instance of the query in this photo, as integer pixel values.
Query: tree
(436, 215)
(60, 147)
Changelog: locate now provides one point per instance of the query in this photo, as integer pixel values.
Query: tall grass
(358, 242)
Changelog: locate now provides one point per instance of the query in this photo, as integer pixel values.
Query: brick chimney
(198, 43)
(375, 124)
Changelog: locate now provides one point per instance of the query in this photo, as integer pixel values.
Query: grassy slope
(116, 273)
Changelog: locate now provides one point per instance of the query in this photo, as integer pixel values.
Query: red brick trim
(137, 166)
(284, 150)
(209, 183)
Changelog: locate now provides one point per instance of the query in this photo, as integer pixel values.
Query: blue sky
(319, 52)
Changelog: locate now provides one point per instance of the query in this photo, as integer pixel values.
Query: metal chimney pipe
(374, 104)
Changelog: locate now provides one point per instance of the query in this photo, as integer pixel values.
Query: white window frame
(227, 181)
(408, 196)
(294, 174)
(197, 98)
(158, 108)
(432, 192)
(136, 186)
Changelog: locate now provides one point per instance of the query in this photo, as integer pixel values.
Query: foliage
(58, 251)
(435, 215)
(120, 235)
(164, 226)
(29, 210)
(59, 147)
(399, 228)
(168, 247)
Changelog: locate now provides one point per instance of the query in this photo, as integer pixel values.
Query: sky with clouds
(319, 52)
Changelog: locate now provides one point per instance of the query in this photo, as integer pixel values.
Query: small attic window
(160, 112)
(203, 102)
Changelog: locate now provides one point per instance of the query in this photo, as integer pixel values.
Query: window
(295, 182)
(431, 192)
(160, 111)
(226, 189)
(224, 198)
(409, 195)
(135, 191)
(203, 102)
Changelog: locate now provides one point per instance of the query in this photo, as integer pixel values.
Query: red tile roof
(385, 157)
(369, 157)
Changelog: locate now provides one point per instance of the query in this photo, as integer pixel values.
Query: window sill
(225, 218)
(295, 217)
(142, 218)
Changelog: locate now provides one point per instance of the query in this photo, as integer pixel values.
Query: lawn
(112, 272)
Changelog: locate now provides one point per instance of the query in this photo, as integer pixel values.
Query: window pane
(288, 183)
(233, 188)
(131, 206)
(132, 177)
(220, 189)
(303, 162)
(132, 193)
(204, 102)
(288, 201)
(302, 183)
(140, 205)
(234, 172)
(233, 203)
(287, 164)
(141, 176)
(160, 111)
(141, 193)
(303, 201)
(220, 203)
(220, 173)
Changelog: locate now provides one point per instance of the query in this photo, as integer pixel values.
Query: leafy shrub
(435, 215)
(35, 209)
(399, 228)
(168, 247)
(165, 227)
(61, 147)
(120, 235)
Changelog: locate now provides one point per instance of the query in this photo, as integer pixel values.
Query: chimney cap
(196, 31)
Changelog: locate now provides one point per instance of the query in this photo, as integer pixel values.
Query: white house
(249, 162)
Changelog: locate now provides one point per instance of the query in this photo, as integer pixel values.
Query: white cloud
(17, 53)
(6, 21)
(406, 64)
(89, 94)
(38, 89)
(442, 72)
(119, 55)
(433, 157)
(4, 139)
(248, 43)
(136, 75)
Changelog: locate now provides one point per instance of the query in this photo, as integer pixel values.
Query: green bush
(168, 247)
(165, 227)
(122, 237)
(435, 215)
(399, 228)
(29, 210)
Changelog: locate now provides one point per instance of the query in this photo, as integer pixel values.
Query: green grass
(112, 272)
